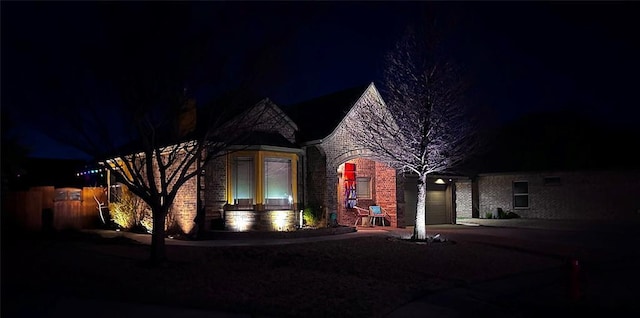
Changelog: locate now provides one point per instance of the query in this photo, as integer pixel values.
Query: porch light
(439, 181)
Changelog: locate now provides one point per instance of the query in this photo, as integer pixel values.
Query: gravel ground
(359, 277)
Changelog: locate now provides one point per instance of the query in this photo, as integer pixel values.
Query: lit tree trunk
(158, 251)
(420, 230)
(422, 126)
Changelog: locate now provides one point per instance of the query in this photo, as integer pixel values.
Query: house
(320, 168)
(568, 195)
(308, 160)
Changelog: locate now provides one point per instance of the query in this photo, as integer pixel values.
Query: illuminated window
(363, 187)
(243, 181)
(277, 182)
(520, 194)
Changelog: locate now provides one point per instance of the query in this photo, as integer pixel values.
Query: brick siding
(214, 193)
(580, 195)
(338, 148)
(463, 199)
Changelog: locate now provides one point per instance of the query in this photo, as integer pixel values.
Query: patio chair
(377, 213)
(360, 214)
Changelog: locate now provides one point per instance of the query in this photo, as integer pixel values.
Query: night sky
(519, 58)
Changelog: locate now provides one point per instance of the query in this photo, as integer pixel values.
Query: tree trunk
(158, 250)
(420, 230)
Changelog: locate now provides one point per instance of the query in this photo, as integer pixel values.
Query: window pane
(521, 201)
(243, 178)
(520, 187)
(277, 178)
(363, 187)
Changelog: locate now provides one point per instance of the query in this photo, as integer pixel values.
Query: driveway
(598, 280)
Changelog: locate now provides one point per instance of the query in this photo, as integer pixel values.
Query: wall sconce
(439, 181)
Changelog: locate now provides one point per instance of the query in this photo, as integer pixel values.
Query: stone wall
(571, 195)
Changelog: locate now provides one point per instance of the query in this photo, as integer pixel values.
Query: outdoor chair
(377, 213)
(360, 214)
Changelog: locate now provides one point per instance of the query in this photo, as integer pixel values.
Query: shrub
(310, 218)
(510, 215)
(126, 211)
(501, 214)
(488, 215)
(132, 213)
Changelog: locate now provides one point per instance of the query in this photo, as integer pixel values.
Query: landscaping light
(279, 219)
(301, 218)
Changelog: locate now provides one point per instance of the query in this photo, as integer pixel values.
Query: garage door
(436, 207)
(436, 203)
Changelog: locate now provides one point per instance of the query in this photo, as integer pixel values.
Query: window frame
(265, 180)
(234, 181)
(518, 194)
(369, 187)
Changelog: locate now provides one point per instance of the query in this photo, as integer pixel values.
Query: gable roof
(223, 111)
(318, 117)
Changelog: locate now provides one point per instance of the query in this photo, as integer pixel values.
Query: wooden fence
(43, 208)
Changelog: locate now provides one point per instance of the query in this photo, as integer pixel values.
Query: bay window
(277, 182)
(243, 181)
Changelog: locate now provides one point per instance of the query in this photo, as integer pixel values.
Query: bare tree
(159, 167)
(135, 111)
(423, 129)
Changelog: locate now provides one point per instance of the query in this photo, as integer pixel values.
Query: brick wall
(579, 195)
(364, 168)
(214, 192)
(184, 208)
(400, 203)
(463, 199)
(316, 175)
(185, 205)
(385, 185)
(339, 148)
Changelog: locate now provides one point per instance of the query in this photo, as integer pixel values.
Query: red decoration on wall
(350, 185)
